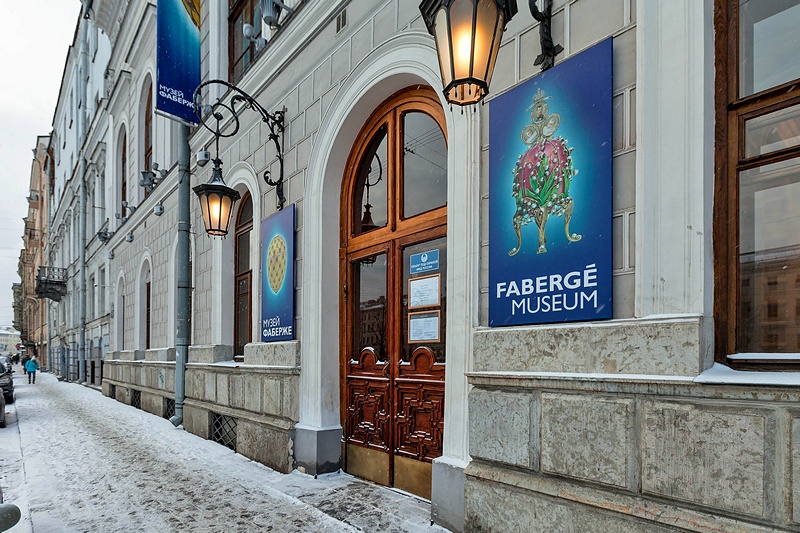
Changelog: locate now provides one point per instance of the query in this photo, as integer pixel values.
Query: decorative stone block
(152, 403)
(126, 355)
(496, 507)
(290, 407)
(705, 454)
(272, 396)
(670, 346)
(236, 391)
(587, 437)
(222, 389)
(502, 427)
(195, 384)
(252, 393)
(212, 353)
(265, 444)
(210, 386)
(273, 353)
(160, 354)
(196, 421)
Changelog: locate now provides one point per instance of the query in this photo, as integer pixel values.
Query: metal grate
(136, 398)
(112, 391)
(169, 408)
(223, 430)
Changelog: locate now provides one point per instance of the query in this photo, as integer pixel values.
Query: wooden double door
(394, 302)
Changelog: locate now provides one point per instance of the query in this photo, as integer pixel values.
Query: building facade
(678, 412)
(33, 256)
(72, 284)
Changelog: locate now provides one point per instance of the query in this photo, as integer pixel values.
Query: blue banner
(277, 270)
(178, 57)
(550, 201)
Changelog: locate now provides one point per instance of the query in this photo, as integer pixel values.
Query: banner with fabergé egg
(550, 201)
(277, 269)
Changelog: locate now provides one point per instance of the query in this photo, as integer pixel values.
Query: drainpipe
(82, 125)
(183, 307)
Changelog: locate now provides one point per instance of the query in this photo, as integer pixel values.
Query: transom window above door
(402, 168)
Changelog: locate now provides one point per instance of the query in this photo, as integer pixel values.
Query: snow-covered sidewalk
(74, 460)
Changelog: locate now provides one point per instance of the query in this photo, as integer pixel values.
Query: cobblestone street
(74, 460)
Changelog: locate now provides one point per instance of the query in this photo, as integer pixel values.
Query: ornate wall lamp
(222, 119)
(468, 35)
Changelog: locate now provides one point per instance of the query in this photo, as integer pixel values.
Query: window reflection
(768, 44)
(369, 293)
(424, 164)
(772, 132)
(769, 258)
(371, 212)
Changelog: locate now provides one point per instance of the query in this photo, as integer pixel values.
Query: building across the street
(570, 304)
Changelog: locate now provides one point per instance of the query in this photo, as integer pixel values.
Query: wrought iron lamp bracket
(222, 119)
(549, 49)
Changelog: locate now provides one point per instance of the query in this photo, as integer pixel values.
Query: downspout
(51, 356)
(183, 306)
(82, 125)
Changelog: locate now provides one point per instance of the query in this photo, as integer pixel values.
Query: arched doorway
(393, 268)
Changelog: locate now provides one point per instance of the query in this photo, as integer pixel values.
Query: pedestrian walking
(24, 362)
(32, 366)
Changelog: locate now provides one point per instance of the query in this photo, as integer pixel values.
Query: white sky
(35, 36)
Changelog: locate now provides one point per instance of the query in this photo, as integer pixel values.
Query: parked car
(2, 410)
(7, 385)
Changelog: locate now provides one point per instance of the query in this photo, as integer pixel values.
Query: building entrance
(394, 301)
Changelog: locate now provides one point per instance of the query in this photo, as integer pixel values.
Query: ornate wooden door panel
(368, 411)
(419, 397)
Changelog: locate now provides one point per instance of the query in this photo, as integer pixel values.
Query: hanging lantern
(468, 35)
(216, 202)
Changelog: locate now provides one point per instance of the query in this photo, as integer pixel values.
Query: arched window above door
(402, 168)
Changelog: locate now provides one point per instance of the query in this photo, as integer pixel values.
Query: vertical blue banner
(550, 180)
(178, 57)
(277, 274)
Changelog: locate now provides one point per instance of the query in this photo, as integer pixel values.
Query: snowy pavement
(76, 461)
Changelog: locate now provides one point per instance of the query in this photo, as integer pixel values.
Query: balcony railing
(51, 282)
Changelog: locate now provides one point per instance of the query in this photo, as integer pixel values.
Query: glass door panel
(424, 164)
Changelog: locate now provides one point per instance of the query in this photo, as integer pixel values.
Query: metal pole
(82, 121)
(183, 306)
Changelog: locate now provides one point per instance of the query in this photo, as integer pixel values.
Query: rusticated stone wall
(262, 396)
(631, 453)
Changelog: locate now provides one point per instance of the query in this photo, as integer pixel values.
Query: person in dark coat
(24, 361)
(32, 366)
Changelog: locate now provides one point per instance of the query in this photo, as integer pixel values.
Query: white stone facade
(601, 426)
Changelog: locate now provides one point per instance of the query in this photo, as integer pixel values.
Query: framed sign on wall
(277, 272)
(550, 198)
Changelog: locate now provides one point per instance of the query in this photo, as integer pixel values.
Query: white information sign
(423, 327)
(423, 292)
